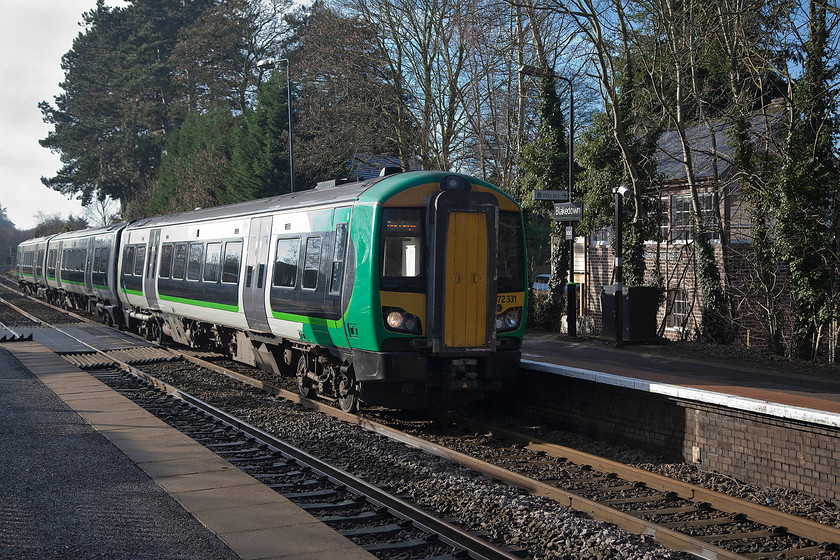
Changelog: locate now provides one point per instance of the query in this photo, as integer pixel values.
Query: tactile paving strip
(142, 355)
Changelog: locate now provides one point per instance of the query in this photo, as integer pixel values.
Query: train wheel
(303, 382)
(348, 399)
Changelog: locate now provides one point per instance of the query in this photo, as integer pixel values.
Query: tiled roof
(669, 154)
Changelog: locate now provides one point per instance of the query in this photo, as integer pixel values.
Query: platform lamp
(620, 193)
(270, 64)
(571, 287)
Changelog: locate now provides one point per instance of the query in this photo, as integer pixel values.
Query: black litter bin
(639, 313)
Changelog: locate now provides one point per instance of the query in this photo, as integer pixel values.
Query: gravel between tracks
(505, 514)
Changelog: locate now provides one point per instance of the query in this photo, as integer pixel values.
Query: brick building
(673, 247)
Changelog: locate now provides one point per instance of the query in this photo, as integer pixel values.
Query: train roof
(302, 199)
(35, 240)
(325, 194)
(74, 234)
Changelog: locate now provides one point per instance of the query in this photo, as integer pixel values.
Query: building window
(680, 308)
(603, 236)
(740, 221)
(682, 228)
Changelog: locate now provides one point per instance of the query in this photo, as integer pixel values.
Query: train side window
(286, 263)
(103, 263)
(39, 268)
(165, 261)
(84, 260)
(194, 263)
(128, 260)
(51, 261)
(212, 259)
(179, 266)
(97, 259)
(230, 268)
(139, 260)
(339, 249)
(311, 263)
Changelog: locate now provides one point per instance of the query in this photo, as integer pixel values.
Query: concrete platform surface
(85, 473)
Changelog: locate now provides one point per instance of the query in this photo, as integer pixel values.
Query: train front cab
(452, 295)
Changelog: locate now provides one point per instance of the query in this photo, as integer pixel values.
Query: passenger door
(465, 315)
(462, 293)
(337, 297)
(151, 269)
(256, 273)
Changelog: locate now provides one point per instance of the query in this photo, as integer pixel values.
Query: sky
(34, 34)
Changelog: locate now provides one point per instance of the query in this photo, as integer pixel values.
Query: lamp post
(270, 64)
(571, 286)
(620, 193)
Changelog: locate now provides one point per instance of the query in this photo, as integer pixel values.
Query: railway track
(679, 515)
(376, 520)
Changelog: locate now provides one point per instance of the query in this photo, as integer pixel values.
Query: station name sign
(560, 196)
(568, 212)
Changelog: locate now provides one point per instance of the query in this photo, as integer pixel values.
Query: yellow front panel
(466, 281)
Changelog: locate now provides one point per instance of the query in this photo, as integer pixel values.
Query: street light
(620, 193)
(571, 287)
(270, 64)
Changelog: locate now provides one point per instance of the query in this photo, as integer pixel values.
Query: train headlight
(399, 320)
(395, 320)
(454, 183)
(509, 319)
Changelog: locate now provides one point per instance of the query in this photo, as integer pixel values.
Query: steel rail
(22, 312)
(7, 327)
(795, 525)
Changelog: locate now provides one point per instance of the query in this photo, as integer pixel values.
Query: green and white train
(407, 290)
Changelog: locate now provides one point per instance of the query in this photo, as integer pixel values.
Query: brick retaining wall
(755, 448)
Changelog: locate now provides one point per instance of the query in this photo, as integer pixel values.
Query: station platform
(646, 367)
(86, 473)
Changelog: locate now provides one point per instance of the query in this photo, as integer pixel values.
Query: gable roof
(704, 153)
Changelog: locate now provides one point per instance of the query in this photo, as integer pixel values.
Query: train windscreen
(402, 249)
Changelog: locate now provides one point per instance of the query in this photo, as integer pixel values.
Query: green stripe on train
(200, 303)
(314, 321)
